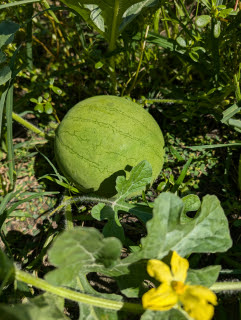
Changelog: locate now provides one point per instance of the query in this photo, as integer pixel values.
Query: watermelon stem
(76, 296)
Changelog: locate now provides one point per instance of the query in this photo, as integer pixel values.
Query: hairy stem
(76, 296)
(68, 216)
(168, 101)
(226, 286)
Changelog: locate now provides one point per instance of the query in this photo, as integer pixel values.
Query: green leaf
(56, 90)
(181, 42)
(99, 65)
(182, 176)
(33, 100)
(7, 31)
(212, 146)
(131, 283)
(202, 21)
(17, 3)
(81, 250)
(2, 105)
(5, 75)
(48, 108)
(63, 184)
(108, 17)
(230, 112)
(235, 123)
(217, 29)
(172, 314)
(161, 41)
(191, 203)
(140, 177)
(226, 12)
(6, 270)
(94, 313)
(113, 227)
(43, 307)
(2, 57)
(204, 277)
(46, 96)
(207, 232)
(141, 211)
(133, 11)
(26, 197)
(206, 3)
(39, 108)
(194, 56)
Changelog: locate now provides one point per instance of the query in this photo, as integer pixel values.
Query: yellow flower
(197, 301)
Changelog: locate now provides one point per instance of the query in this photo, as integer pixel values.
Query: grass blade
(9, 108)
(29, 42)
(17, 3)
(213, 146)
(2, 104)
(182, 176)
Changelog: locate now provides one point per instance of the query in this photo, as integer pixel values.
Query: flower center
(178, 286)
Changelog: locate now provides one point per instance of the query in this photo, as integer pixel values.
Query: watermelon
(103, 137)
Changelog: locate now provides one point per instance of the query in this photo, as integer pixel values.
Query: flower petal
(159, 270)
(179, 267)
(201, 311)
(198, 302)
(202, 293)
(161, 298)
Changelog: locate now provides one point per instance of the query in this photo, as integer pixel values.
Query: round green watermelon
(103, 137)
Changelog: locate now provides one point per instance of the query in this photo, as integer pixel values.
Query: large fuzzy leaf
(172, 314)
(207, 232)
(140, 177)
(204, 277)
(81, 250)
(109, 17)
(43, 307)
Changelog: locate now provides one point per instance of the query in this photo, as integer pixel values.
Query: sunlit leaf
(204, 277)
(81, 250)
(140, 177)
(202, 21)
(208, 231)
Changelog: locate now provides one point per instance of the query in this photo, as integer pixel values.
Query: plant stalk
(226, 286)
(68, 215)
(10, 152)
(28, 125)
(29, 42)
(76, 296)
(168, 101)
(112, 46)
(165, 22)
(143, 45)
